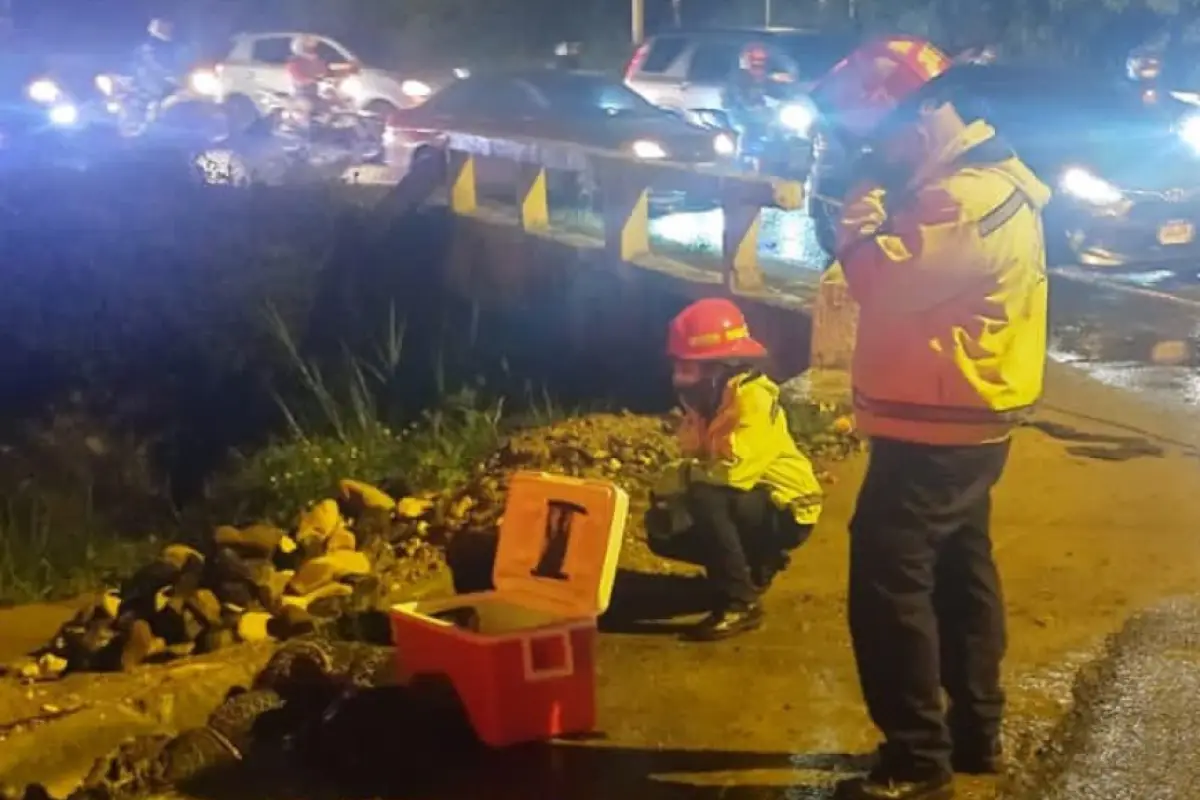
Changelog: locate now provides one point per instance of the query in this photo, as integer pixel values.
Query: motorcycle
(138, 112)
(333, 121)
(776, 139)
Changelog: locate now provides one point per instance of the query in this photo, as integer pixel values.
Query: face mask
(704, 395)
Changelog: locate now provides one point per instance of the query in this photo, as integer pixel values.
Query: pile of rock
(354, 553)
(245, 584)
(628, 449)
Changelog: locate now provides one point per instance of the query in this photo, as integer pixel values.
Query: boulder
(362, 496)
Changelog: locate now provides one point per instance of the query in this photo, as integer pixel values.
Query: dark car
(1125, 171)
(579, 108)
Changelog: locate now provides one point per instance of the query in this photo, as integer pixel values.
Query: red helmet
(867, 85)
(711, 330)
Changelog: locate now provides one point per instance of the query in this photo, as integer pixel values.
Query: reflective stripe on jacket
(748, 444)
(951, 285)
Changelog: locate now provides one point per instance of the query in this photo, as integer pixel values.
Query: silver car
(688, 70)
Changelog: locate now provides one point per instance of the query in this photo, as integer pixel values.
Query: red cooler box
(523, 657)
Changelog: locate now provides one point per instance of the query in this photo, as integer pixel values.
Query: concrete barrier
(497, 248)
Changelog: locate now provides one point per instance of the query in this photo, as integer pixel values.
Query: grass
(48, 552)
(349, 420)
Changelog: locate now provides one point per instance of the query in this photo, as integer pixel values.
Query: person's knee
(707, 502)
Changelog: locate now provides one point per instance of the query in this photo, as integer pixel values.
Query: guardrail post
(626, 213)
(835, 322)
(740, 247)
(463, 197)
(531, 197)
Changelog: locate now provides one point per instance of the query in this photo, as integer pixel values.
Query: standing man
(941, 244)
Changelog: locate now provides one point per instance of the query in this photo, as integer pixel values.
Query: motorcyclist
(748, 96)
(159, 61)
(747, 91)
(306, 69)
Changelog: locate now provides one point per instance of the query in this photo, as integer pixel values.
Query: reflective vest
(950, 279)
(747, 444)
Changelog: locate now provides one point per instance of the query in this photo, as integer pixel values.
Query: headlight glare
(416, 89)
(1083, 185)
(797, 117)
(1189, 131)
(647, 149)
(724, 144)
(44, 91)
(205, 82)
(64, 115)
(351, 86)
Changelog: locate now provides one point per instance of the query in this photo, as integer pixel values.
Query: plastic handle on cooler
(565, 669)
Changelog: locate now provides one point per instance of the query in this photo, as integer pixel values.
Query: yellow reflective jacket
(748, 444)
(951, 285)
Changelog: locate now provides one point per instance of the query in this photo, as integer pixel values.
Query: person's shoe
(879, 787)
(987, 760)
(726, 623)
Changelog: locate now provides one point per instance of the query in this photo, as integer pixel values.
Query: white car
(257, 64)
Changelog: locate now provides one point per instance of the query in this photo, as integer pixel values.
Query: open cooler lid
(560, 539)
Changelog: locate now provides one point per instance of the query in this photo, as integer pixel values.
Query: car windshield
(1051, 115)
(586, 95)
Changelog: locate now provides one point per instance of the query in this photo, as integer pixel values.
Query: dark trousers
(741, 539)
(926, 610)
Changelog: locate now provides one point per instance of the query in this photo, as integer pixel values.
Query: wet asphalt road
(1135, 735)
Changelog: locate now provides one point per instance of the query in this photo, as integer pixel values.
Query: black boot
(987, 759)
(730, 621)
(879, 786)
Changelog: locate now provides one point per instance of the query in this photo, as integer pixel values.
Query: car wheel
(241, 113)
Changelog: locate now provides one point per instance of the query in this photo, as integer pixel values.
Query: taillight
(639, 57)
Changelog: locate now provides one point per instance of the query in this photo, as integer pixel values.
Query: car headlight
(644, 148)
(462, 73)
(105, 84)
(44, 91)
(797, 117)
(1189, 131)
(724, 144)
(1083, 185)
(64, 115)
(416, 89)
(351, 86)
(205, 82)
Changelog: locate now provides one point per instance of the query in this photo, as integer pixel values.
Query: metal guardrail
(625, 184)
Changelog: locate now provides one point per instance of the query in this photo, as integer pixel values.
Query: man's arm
(744, 440)
(910, 259)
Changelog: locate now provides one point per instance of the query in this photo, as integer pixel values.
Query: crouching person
(744, 496)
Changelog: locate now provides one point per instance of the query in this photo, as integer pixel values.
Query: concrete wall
(573, 300)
